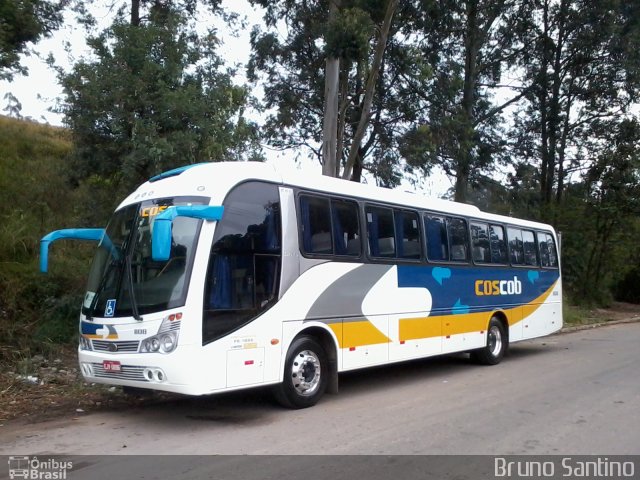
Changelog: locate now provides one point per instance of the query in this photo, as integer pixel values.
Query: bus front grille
(127, 372)
(130, 346)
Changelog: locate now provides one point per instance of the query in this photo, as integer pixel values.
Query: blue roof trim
(173, 173)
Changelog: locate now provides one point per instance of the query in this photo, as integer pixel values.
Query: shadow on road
(257, 406)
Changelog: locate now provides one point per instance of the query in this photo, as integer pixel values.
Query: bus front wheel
(306, 373)
(496, 347)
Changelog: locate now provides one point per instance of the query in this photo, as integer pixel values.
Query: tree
(472, 45)
(580, 71)
(599, 215)
(360, 35)
(23, 22)
(154, 97)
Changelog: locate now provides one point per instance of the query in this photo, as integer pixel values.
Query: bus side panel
(365, 341)
(544, 315)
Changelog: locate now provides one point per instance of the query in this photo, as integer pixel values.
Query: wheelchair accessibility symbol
(110, 309)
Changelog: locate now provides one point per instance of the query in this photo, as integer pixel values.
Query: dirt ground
(38, 388)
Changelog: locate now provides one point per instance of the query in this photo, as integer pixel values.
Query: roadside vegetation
(530, 108)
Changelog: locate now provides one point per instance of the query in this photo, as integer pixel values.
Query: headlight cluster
(163, 343)
(85, 343)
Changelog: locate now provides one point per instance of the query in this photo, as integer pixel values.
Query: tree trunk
(330, 121)
(370, 88)
(135, 13)
(471, 47)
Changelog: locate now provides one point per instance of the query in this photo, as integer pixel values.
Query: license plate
(111, 366)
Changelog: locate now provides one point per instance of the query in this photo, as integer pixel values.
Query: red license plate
(111, 366)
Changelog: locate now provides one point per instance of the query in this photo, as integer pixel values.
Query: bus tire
(306, 374)
(497, 343)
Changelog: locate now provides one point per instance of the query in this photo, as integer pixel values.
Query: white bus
(225, 276)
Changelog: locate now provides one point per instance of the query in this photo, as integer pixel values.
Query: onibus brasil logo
(33, 468)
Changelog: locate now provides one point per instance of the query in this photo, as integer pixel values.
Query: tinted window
(346, 227)
(244, 265)
(529, 246)
(380, 231)
(315, 216)
(516, 248)
(547, 247)
(457, 230)
(447, 238)
(498, 244)
(480, 246)
(408, 234)
(437, 243)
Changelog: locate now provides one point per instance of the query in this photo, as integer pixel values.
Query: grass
(576, 315)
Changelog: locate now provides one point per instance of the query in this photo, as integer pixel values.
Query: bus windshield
(124, 280)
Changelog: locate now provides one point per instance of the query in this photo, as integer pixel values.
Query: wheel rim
(495, 341)
(305, 373)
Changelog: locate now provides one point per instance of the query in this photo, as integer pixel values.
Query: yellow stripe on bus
(111, 336)
(443, 325)
(362, 332)
(358, 333)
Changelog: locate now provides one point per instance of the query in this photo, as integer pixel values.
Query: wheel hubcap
(305, 373)
(495, 341)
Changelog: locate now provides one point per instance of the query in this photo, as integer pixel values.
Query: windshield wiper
(132, 295)
(103, 283)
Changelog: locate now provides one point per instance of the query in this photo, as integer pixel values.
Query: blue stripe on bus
(458, 290)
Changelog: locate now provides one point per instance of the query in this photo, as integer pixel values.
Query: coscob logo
(498, 287)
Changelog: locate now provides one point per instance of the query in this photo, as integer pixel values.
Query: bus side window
(529, 247)
(498, 245)
(480, 248)
(548, 257)
(437, 244)
(346, 227)
(316, 225)
(380, 230)
(459, 245)
(244, 264)
(553, 253)
(516, 249)
(407, 234)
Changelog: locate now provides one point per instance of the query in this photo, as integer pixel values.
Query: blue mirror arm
(161, 237)
(94, 234)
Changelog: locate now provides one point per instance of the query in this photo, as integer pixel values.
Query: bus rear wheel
(306, 373)
(496, 347)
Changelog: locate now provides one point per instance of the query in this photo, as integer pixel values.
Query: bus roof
(217, 178)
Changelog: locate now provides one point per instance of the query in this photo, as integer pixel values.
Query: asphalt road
(574, 393)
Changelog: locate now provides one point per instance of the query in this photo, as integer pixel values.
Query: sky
(39, 91)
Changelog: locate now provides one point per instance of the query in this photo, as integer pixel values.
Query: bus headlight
(166, 340)
(163, 343)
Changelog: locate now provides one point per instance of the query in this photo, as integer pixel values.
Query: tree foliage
(472, 48)
(292, 69)
(154, 96)
(580, 72)
(530, 106)
(24, 22)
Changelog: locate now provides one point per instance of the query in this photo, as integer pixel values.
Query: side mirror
(95, 234)
(163, 223)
